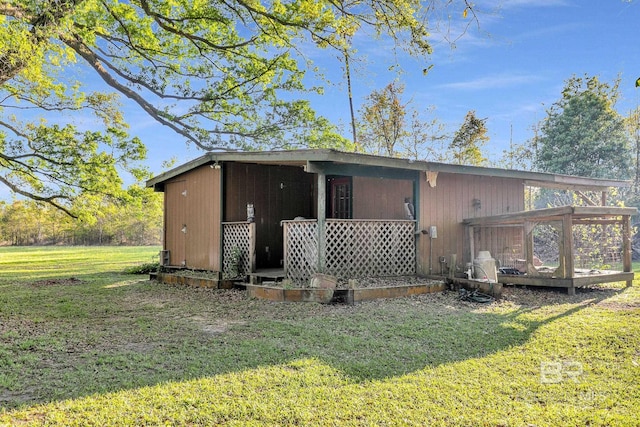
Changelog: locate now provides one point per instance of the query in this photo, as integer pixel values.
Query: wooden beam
(567, 242)
(586, 199)
(322, 219)
(471, 232)
(626, 247)
(528, 248)
(535, 280)
(552, 214)
(603, 278)
(597, 221)
(565, 283)
(329, 168)
(603, 210)
(252, 247)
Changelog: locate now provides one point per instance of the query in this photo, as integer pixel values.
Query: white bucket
(484, 267)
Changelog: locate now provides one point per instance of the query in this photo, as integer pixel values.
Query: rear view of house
(354, 215)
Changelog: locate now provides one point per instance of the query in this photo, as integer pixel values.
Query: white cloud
(492, 82)
(509, 4)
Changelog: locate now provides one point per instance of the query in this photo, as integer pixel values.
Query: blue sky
(509, 67)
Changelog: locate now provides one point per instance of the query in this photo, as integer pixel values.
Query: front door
(340, 197)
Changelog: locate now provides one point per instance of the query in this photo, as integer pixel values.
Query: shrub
(146, 268)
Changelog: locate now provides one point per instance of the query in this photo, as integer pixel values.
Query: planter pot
(323, 281)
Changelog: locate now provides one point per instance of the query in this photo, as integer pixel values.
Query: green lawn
(81, 343)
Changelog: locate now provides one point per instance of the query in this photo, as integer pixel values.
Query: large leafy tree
(583, 134)
(221, 74)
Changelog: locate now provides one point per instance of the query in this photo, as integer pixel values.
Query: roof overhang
(578, 213)
(313, 160)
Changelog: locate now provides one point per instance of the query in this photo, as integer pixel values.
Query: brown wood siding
(193, 200)
(277, 193)
(451, 201)
(379, 198)
(174, 219)
(204, 217)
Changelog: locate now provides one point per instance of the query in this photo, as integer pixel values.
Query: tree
(383, 120)
(426, 138)
(133, 220)
(632, 124)
(583, 134)
(390, 126)
(220, 74)
(521, 155)
(468, 140)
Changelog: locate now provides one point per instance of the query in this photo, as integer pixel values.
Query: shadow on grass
(110, 333)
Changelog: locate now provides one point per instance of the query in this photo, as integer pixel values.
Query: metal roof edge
(179, 170)
(541, 179)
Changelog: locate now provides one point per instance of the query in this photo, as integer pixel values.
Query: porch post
(626, 246)
(322, 217)
(567, 244)
(528, 248)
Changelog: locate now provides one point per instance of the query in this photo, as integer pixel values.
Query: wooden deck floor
(581, 278)
(266, 275)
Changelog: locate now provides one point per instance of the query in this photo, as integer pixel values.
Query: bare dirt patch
(16, 397)
(541, 296)
(214, 326)
(619, 305)
(57, 282)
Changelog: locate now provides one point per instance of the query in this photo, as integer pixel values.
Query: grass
(82, 343)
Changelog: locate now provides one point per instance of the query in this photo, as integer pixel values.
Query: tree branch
(52, 200)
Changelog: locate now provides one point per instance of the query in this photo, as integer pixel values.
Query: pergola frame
(565, 275)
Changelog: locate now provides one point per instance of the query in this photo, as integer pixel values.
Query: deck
(566, 275)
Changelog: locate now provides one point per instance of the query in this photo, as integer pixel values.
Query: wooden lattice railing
(238, 248)
(370, 248)
(300, 249)
(353, 248)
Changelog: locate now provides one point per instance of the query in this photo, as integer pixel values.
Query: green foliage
(227, 75)
(235, 263)
(229, 61)
(97, 352)
(134, 219)
(145, 268)
(383, 120)
(632, 125)
(391, 127)
(583, 135)
(467, 142)
(521, 156)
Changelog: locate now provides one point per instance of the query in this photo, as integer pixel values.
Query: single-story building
(357, 215)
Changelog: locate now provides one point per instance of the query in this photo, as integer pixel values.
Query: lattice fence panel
(237, 247)
(363, 248)
(300, 250)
